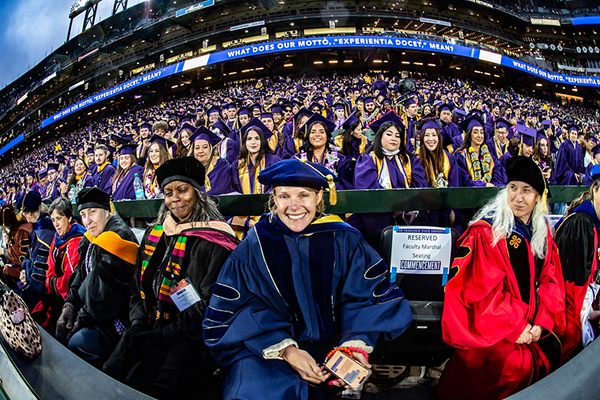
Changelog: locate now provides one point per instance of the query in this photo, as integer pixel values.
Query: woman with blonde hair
(504, 310)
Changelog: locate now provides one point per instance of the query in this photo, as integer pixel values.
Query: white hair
(503, 222)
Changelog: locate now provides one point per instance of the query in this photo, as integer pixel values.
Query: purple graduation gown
(103, 178)
(219, 177)
(366, 176)
(465, 177)
(491, 144)
(499, 177)
(124, 190)
(448, 131)
(569, 162)
(270, 159)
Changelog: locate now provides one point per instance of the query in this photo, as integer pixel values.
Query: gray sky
(32, 29)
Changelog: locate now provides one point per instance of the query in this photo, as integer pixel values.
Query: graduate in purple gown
(81, 177)
(157, 155)
(51, 191)
(91, 162)
(473, 157)
(569, 161)
(227, 147)
(317, 148)
(497, 144)
(449, 129)
(217, 179)
(410, 119)
(122, 182)
(106, 170)
(515, 147)
(31, 182)
(255, 156)
(293, 138)
(386, 165)
(351, 141)
(440, 169)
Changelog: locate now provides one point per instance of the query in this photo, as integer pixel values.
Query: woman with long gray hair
(505, 307)
(162, 353)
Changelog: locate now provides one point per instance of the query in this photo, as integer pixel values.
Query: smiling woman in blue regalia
(122, 182)
(218, 171)
(386, 165)
(300, 284)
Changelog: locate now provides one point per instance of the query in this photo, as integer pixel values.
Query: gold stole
(361, 148)
(273, 141)
(499, 147)
(434, 174)
(101, 167)
(245, 177)
(405, 169)
(209, 168)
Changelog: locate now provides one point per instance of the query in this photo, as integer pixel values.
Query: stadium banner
(12, 143)
(123, 87)
(195, 7)
(326, 43)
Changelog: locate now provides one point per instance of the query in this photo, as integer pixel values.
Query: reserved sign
(423, 250)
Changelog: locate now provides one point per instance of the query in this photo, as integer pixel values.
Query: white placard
(424, 250)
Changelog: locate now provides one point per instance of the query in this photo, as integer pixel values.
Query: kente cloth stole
(172, 273)
(384, 174)
(245, 177)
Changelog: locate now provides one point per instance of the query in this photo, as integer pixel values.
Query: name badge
(184, 295)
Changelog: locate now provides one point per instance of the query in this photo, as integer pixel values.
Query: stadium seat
(421, 344)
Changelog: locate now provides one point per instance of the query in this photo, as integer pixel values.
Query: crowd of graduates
(356, 132)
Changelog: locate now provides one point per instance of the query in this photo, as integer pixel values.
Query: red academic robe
(484, 314)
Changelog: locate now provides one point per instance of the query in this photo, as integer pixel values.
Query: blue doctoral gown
(124, 189)
(320, 288)
(569, 162)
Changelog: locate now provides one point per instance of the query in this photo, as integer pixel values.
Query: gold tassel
(113, 210)
(545, 199)
(332, 192)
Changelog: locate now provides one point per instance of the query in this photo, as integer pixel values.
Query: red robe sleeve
(482, 305)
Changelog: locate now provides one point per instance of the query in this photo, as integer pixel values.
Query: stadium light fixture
(538, 84)
(288, 65)
(377, 61)
(348, 61)
(317, 62)
(333, 61)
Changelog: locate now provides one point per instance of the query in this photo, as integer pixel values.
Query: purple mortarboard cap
(389, 117)
(350, 121)
(471, 122)
(502, 123)
(203, 133)
(244, 111)
(127, 149)
(316, 117)
(257, 123)
(221, 126)
(546, 123)
(595, 151)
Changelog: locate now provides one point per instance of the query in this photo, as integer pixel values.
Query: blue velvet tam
(595, 172)
(294, 172)
(29, 201)
(203, 133)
